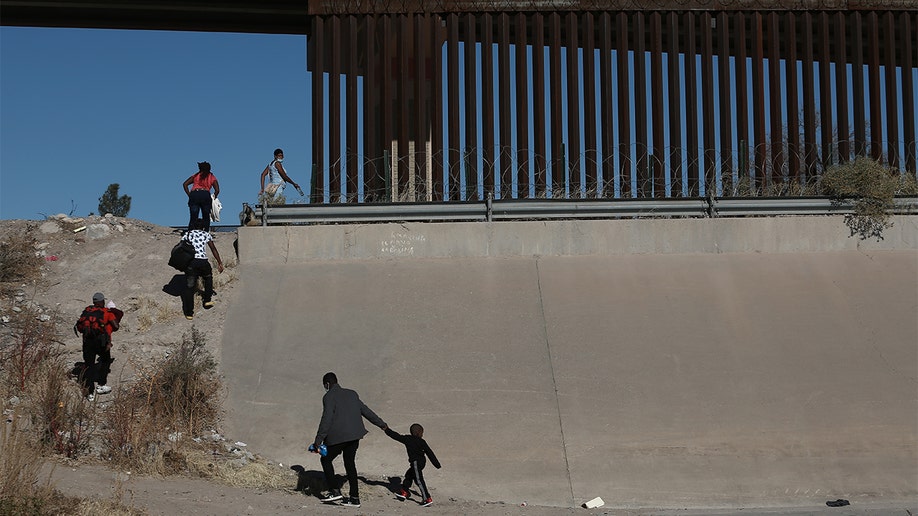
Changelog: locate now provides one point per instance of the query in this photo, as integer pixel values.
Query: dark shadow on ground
(175, 286)
(310, 482)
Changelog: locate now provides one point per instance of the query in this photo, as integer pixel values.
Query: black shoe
(351, 502)
(332, 496)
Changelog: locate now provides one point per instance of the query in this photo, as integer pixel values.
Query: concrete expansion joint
(287, 237)
(554, 380)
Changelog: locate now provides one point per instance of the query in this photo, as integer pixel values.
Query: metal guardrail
(528, 209)
(752, 206)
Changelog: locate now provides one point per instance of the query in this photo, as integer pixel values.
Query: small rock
(239, 463)
(50, 227)
(97, 231)
(44, 317)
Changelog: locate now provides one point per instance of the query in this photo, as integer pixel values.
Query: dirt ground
(126, 259)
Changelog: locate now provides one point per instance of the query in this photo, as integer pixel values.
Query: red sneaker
(402, 494)
(427, 503)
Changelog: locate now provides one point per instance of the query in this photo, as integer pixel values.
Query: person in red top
(199, 199)
(96, 324)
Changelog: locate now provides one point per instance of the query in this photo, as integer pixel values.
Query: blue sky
(81, 109)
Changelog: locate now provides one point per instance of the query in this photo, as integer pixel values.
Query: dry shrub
(189, 385)
(908, 185)
(871, 187)
(65, 419)
(20, 467)
(32, 367)
(25, 348)
(181, 395)
(19, 263)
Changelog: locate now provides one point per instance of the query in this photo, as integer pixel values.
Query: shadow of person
(175, 286)
(310, 482)
(393, 484)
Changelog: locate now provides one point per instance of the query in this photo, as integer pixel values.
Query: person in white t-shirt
(273, 192)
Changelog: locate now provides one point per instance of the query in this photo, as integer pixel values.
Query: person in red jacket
(96, 324)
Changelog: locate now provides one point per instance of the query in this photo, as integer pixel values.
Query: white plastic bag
(215, 207)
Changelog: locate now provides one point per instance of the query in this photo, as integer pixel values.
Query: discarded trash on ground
(594, 503)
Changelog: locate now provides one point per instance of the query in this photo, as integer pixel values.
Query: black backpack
(181, 255)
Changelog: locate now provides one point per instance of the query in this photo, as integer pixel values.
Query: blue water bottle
(323, 451)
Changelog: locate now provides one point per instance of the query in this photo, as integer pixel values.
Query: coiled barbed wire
(407, 177)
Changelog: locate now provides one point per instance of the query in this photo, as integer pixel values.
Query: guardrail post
(387, 175)
(489, 207)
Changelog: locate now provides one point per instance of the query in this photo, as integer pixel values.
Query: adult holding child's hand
(340, 430)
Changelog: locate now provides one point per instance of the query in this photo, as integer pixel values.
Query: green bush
(111, 202)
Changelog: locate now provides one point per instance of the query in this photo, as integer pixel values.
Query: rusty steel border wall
(403, 58)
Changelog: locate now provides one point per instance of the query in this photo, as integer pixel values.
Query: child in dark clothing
(418, 451)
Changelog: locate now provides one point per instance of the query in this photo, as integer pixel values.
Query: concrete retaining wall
(298, 244)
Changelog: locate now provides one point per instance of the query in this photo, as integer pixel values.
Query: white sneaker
(90, 397)
(103, 389)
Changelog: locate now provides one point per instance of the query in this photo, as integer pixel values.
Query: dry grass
(201, 462)
(148, 312)
(21, 463)
(230, 273)
(97, 507)
(19, 263)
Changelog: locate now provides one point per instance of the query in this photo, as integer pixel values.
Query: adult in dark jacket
(341, 429)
